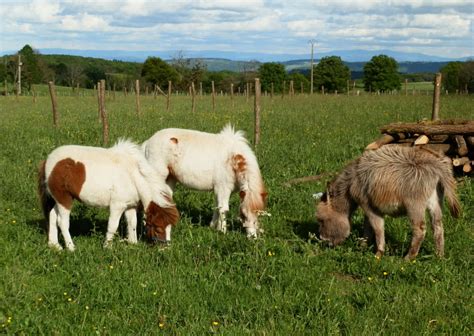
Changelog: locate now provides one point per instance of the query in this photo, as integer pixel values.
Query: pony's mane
(229, 131)
(127, 146)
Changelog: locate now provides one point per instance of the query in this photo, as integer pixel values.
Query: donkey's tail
(449, 186)
(47, 202)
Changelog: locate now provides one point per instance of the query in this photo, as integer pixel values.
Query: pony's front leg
(64, 226)
(377, 224)
(112, 226)
(131, 217)
(219, 219)
(53, 229)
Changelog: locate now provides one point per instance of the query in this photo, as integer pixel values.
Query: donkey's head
(251, 206)
(158, 222)
(334, 226)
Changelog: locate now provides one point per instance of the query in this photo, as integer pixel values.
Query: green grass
(285, 283)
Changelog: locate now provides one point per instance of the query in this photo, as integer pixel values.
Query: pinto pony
(119, 178)
(391, 180)
(220, 162)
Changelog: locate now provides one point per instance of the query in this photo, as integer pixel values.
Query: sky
(439, 27)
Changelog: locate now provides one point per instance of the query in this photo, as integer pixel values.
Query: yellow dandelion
(215, 323)
(155, 293)
(13, 221)
(369, 278)
(64, 293)
(69, 299)
(111, 267)
(87, 307)
(161, 325)
(402, 268)
(385, 273)
(414, 261)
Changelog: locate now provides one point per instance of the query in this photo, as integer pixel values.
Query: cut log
(383, 140)
(467, 167)
(439, 138)
(461, 161)
(470, 140)
(422, 140)
(305, 179)
(442, 148)
(464, 128)
(462, 146)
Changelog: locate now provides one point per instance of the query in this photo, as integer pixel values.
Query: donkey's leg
(222, 196)
(434, 207)
(416, 213)
(53, 229)
(131, 216)
(112, 226)
(377, 224)
(64, 226)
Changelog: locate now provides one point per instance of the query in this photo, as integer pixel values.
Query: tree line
(330, 74)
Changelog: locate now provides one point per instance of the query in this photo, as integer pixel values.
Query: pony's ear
(242, 194)
(264, 196)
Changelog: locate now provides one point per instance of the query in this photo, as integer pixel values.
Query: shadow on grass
(303, 228)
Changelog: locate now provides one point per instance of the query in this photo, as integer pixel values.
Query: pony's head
(158, 222)
(251, 206)
(334, 227)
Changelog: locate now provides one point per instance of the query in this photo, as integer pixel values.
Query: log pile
(455, 138)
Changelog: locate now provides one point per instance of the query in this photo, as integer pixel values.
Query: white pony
(119, 178)
(221, 162)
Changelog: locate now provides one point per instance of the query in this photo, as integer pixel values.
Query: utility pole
(19, 74)
(312, 42)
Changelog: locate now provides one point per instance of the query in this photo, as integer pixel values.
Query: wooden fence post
(103, 114)
(34, 94)
(302, 88)
(168, 98)
(436, 94)
(406, 86)
(54, 103)
(232, 93)
(137, 95)
(272, 92)
(193, 95)
(257, 111)
(292, 88)
(98, 101)
(213, 96)
(200, 89)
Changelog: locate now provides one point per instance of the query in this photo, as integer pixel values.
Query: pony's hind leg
(112, 226)
(53, 229)
(434, 207)
(131, 216)
(377, 224)
(64, 226)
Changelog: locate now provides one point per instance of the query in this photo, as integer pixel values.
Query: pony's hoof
(55, 246)
(252, 233)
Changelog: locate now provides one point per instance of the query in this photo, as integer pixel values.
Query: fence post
(98, 101)
(168, 98)
(193, 95)
(436, 94)
(137, 95)
(232, 93)
(257, 111)
(34, 94)
(406, 86)
(103, 113)
(213, 96)
(54, 103)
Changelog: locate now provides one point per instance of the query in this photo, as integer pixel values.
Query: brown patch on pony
(240, 164)
(174, 140)
(158, 218)
(47, 202)
(66, 180)
(242, 195)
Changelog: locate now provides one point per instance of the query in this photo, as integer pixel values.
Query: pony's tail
(249, 180)
(47, 202)
(448, 184)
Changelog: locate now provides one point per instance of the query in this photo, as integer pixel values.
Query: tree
(94, 74)
(272, 73)
(30, 71)
(466, 76)
(380, 74)
(155, 71)
(450, 76)
(332, 73)
(299, 78)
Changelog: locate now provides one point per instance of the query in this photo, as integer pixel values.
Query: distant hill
(346, 55)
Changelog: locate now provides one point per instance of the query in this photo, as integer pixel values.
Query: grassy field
(285, 283)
